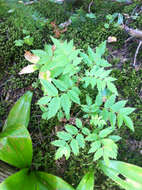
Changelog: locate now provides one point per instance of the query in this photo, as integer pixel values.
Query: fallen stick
(136, 33)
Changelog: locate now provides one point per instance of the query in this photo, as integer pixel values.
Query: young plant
(57, 66)
(26, 40)
(61, 83)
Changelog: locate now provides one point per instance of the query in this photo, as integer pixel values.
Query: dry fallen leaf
(31, 57)
(45, 75)
(28, 69)
(111, 39)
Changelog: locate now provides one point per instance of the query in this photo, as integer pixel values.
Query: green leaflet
(71, 129)
(26, 180)
(75, 147)
(53, 107)
(49, 88)
(110, 101)
(66, 104)
(60, 85)
(64, 135)
(81, 141)
(73, 95)
(63, 151)
(40, 53)
(20, 113)
(118, 106)
(105, 132)
(131, 174)
(95, 146)
(78, 123)
(44, 100)
(98, 154)
(112, 87)
(87, 182)
(128, 122)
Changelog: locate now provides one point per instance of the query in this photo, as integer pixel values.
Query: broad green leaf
(87, 182)
(74, 96)
(44, 100)
(118, 106)
(60, 85)
(128, 122)
(81, 141)
(74, 146)
(131, 174)
(106, 132)
(126, 111)
(95, 146)
(53, 107)
(26, 180)
(64, 135)
(78, 123)
(98, 154)
(60, 143)
(66, 104)
(49, 88)
(71, 129)
(20, 113)
(16, 146)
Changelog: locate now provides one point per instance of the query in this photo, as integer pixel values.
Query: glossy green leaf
(87, 182)
(16, 147)
(128, 176)
(26, 180)
(20, 112)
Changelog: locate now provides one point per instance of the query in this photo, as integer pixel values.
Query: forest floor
(37, 19)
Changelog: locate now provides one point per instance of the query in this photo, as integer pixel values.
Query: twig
(89, 7)
(137, 51)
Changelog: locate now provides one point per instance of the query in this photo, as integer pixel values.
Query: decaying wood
(136, 33)
(5, 171)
